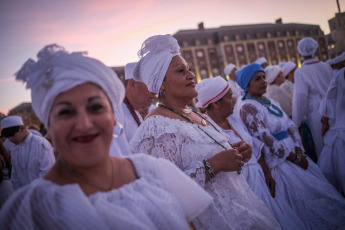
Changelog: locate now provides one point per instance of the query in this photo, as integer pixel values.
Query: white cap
(339, 58)
(271, 73)
(329, 62)
(11, 121)
(287, 67)
(260, 60)
(211, 90)
(307, 46)
(229, 68)
(129, 70)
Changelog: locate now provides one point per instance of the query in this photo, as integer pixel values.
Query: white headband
(211, 90)
(58, 71)
(260, 60)
(229, 68)
(129, 70)
(287, 67)
(155, 55)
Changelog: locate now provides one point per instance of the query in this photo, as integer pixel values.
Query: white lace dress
(308, 192)
(235, 206)
(161, 198)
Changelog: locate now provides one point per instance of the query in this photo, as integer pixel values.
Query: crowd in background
(260, 148)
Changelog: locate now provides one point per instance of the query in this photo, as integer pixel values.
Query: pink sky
(112, 31)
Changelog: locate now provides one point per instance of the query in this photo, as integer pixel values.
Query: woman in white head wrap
(288, 69)
(275, 78)
(193, 142)
(220, 109)
(75, 97)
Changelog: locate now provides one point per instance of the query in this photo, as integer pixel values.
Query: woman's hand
(298, 159)
(271, 184)
(303, 163)
(245, 150)
(226, 161)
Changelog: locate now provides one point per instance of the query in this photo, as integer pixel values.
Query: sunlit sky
(112, 30)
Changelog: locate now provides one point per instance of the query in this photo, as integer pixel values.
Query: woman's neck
(177, 105)
(220, 120)
(258, 96)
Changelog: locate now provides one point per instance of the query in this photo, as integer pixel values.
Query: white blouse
(161, 198)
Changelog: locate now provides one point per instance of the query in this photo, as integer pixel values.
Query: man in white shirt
(32, 155)
(137, 97)
(311, 83)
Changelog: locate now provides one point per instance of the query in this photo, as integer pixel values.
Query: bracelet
(298, 159)
(209, 170)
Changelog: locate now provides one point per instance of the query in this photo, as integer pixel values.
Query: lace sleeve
(294, 133)
(169, 146)
(273, 149)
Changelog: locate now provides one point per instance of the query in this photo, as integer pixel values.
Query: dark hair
(10, 131)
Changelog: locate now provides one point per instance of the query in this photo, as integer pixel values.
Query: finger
(237, 144)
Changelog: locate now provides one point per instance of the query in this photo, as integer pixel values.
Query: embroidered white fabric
(235, 206)
(262, 124)
(306, 191)
(161, 198)
(278, 94)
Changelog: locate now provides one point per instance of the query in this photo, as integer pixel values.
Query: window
(197, 42)
(239, 48)
(269, 34)
(228, 49)
(261, 46)
(226, 38)
(215, 71)
(200, 53)
(184, 43)
(280, 44)
(251, 47)
(203, 74)
(209, 41)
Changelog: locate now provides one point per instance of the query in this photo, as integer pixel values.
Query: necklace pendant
(186, 110)
(203, 122)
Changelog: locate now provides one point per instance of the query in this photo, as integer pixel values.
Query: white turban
(271, 73)
(211, 90)
(307, 46)
(58, 71)
(260, 60)
(129, 70)
(11, 121)
(228, 69)
(156, 54)
(339, 58)
(330, 61)
(287, 67)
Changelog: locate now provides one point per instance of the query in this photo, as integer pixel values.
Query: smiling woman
(75, 97)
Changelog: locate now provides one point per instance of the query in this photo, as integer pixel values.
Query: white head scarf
(211, 90)
(58, 71)
(228, 69)
(271, 73)
(260, 60)
(307, 46)
(287, 67)
(155, 55)
(129, 70)
(11, 121)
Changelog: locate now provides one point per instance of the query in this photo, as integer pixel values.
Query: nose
(83, 121)
(190, 75)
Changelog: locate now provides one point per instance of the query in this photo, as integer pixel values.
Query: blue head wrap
(245, 74)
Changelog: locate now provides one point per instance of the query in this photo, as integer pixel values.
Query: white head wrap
(330, 62)
(211, 90)
(129, 70)
(229, 68)
(271, 73)
(58, 71)
(11, 121)
(307, 46)
(260, 60)
(287, 67)
(155, 55)
(339, 58)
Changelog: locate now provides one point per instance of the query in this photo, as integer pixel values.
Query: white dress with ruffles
(308, 192)
(234, 206)
(161, 198)
(332, 157)
(255, 177)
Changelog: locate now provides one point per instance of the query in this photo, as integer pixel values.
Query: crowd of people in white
(225, 153)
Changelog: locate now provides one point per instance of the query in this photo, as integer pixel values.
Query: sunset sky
(112, 30)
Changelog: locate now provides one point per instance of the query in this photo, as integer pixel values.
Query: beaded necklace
(267, 104)
(25, 167)
(190, 121)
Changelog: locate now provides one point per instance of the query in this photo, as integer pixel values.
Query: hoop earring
(118, 130)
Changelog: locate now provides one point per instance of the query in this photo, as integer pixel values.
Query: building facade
(336, 39)
(208, 51)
